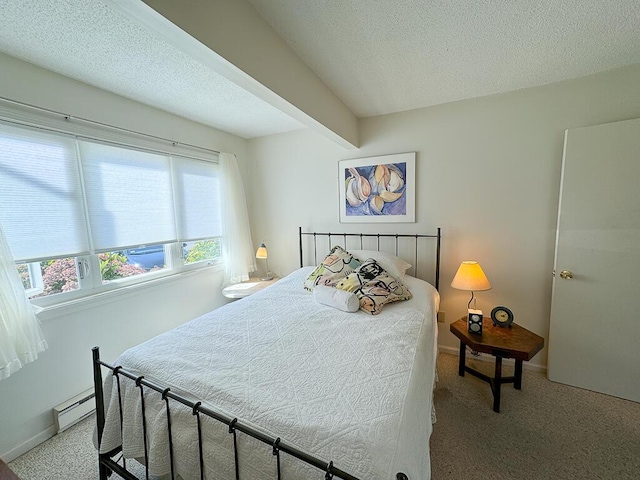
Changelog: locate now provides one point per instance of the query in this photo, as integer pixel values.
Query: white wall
(65, 370)
(488, 173)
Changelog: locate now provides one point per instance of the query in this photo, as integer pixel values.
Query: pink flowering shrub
(59, 276)
(126, 270)
(114, 265)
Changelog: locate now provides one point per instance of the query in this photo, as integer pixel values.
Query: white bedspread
(348, 387)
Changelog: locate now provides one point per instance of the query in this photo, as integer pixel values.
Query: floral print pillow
(374, 287)
(335, 266)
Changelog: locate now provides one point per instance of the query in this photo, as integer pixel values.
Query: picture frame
(378, 189)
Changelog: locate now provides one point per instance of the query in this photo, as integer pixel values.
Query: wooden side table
(6, 473)
(244, 289)
(502, 342)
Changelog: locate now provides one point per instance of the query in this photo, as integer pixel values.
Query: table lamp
(471, 277)
(261, 253)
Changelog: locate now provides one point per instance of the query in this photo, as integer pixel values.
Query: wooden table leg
(517, 382)
(6, 473)
(461, 361)
(497, 385)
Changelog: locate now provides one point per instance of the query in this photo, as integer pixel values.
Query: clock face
(502, 316)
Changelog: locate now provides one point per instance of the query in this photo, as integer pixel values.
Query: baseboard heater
(75, 409)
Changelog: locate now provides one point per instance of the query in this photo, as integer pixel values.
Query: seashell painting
(378, 189)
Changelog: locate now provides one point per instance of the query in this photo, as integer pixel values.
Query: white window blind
(129, 196)
(61, 196)
(198, 199)
(40, 195)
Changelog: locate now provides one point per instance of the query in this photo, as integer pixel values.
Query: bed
(277, 385)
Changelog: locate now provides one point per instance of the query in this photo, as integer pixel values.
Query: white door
(594, 337)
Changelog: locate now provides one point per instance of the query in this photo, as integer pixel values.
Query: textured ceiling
(91, 42)
(378, 56)
(391, 55)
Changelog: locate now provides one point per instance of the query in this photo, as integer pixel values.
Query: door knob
(566, 275)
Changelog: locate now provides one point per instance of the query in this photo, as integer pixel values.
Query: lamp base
(266, 278)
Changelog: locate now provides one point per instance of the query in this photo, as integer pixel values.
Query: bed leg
(300, 243)
(438, 260)
(104, 472)
(97, 385)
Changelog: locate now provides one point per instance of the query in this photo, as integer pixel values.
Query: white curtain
(21, 338)
(237, 247)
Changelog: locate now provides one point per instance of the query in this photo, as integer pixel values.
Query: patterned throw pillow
(374, 287)
(335, 266)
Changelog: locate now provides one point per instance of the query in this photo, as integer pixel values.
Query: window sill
(100, 298)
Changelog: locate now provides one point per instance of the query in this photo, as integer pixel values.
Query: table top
(244, 289)
(515, 342)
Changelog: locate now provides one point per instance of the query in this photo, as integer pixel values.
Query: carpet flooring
(545, 431)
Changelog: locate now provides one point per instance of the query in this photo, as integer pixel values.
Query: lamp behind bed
(261, 253)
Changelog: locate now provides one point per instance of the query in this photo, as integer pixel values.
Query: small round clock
(502, 316)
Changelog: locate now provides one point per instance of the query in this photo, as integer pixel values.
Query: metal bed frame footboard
(394, 236)
(108, 464)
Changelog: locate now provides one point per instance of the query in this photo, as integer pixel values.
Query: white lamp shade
(262, 251)
(470, 276)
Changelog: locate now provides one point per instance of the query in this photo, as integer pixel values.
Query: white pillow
(340, 299)
(396, 266)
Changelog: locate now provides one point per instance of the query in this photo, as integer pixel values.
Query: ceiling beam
(230, 37)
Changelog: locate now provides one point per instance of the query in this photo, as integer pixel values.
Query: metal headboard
(377, 236)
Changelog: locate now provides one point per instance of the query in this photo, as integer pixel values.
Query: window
(130, 199)
(58, 276)
(131, 262)
(41, 195)
(49, 277)
(81, 215)
(201, 251)
(31, 277)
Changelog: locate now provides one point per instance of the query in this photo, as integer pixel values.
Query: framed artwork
(378, 189)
